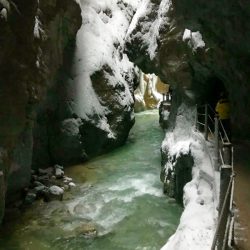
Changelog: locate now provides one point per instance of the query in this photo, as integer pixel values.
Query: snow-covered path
(198, 221)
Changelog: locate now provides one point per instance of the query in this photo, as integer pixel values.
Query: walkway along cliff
(197, 170)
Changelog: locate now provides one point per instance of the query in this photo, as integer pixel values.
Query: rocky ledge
(48, 184)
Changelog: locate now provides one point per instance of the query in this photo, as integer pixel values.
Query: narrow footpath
(242, 194)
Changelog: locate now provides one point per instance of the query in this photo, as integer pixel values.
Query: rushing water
(120, 194)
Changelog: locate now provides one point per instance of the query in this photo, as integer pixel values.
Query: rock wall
(60, 23)
(90, 108)
(34, 35)
(190, 44)
(175, 179)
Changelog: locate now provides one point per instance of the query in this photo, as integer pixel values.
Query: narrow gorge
(76, 159)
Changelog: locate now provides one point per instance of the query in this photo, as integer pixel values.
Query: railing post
(206, 122)
(196, 117)
(216, 146)
(225, 180)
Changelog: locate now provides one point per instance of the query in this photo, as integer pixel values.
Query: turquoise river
(118, 194)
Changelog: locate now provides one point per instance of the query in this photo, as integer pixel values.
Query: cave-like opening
(214, 90)
(211, 94)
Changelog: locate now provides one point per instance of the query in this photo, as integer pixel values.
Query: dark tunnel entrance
(215, 95)
(215, 87)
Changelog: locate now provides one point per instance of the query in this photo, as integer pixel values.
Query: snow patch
(56, 190)
(5, 4)
(141, 11)
(150, 32)
(154, 30)
(38, 31)
(194, 39)
(4, 14)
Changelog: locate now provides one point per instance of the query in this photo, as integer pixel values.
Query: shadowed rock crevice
(33, 38)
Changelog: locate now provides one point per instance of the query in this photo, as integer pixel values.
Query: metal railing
(166, 97)
(223, 162)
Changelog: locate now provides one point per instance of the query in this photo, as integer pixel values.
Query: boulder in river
(72, 184)
(87, 230)
(58, 171)
(54, 193)
(30, 198)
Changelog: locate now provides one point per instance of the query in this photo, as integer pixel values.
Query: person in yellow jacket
(223, 110)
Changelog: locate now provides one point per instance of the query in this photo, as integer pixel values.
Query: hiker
(223, 110)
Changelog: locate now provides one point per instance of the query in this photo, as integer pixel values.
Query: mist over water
(119, 193)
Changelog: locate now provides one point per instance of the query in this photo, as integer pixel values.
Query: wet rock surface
(176, 178)
(48, 184)
(164, 111)
(87, 230)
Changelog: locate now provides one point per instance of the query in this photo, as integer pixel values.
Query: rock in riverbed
(87, 230)
(58, 171)
(49, 184)
(54, 193)
(30, 198)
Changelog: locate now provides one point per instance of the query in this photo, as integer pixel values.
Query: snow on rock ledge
(194, 39)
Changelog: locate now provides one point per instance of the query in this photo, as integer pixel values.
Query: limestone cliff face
(34, 35)
(59, 25)
(194, 43)
(18, 85)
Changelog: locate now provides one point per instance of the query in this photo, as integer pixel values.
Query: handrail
(221, 138)
(211, 119)
(210, 131)
(232, 156)
(221, 157)
(224, 131)
(201, 123)
(231, 227)
(222, 213)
